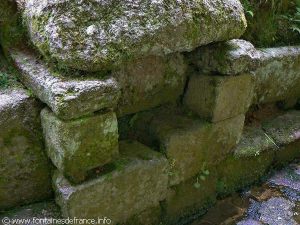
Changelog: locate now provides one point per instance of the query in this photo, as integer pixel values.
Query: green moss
(8, 75)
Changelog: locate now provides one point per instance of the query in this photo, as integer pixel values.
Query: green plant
(204, 173)
(294, 19)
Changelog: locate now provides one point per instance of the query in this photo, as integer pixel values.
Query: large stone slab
(276, 70)
(219, 97)
(77, 146)
(137, 182)
(97, 35)
(24, 167)
(149, 82)
(68, 98)
(188, 142)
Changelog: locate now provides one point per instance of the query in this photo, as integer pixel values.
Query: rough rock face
(93, 35)
(24, 168)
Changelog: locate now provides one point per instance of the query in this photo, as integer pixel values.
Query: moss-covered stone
(150, 216)
(188, 142)
(78, 146)
(287, 154)
(69, 98)
(24, 168)
(188, 199)
(98, 35)
(39, 211)
(138, 182)
(219, 97)
(149, 82)
(284, 129)
(251, 160)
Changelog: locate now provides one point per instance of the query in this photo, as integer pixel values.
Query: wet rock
(92, 36)
(249, 222)
(217, 97)
(24, 167)
(77, 146)
(137, 182)
(277, 211)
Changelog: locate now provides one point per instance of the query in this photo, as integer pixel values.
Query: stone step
(138, 180)
(77, 146)
(187, 141)
(275, 70)
(69, 98)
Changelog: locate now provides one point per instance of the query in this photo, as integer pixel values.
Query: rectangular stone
(77, 146)
(68, 98)
(219, 97)
(148, 82)
(24, 167)
(138, 181)
(187, 141)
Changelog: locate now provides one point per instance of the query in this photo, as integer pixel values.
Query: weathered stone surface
(188, 142)
(95, 35)
(189, 198)
(276, 70)
(253, 142)
(33, 214)
(69, 98)
(218, 97)
(80, 145)
(284, 129)
(251, 159)
(230, 58)
(150, 216)
(24, 168)
(287, 153)
(139, 181)
(149, 82)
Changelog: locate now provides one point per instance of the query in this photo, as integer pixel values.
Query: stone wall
(147, 115)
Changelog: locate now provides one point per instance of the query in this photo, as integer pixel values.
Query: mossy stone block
(287, 154)
(24, 167)
(189, 198)
(78, 146)
(284, 129)
(138, 182)
(149, 82)
(252, 158)
(187, 141)
(219, 97)
(80, 37)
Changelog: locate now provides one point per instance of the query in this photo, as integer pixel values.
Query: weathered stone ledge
(68, 98)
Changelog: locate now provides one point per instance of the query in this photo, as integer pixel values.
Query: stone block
(138, 181)
(187, 141)
(69, 98)
(150, 216)
(284, 129)
(77, 146)
(219, 97)
(88, 41)
(276, 70)
(24, 167)
(149, 82)
(287, 154)
(251, 160)
(189, 199)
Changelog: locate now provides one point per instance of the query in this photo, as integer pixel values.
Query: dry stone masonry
(144, 112)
